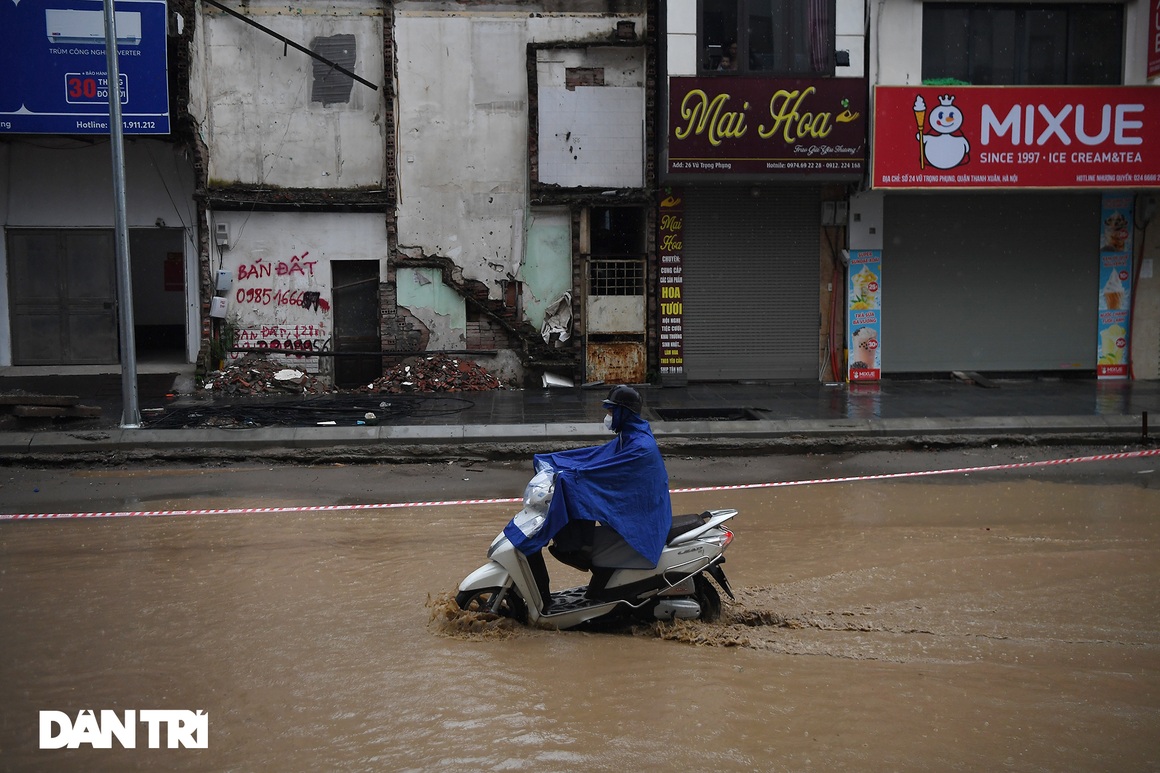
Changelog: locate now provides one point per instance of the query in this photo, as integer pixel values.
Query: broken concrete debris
(256, 375)
(434, 373)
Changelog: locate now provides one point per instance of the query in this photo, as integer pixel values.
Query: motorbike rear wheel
(481, 600)
(708, 597)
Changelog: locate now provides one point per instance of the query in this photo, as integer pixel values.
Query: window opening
(332, 85)
(791, 37)
(1005, 44)
(616, 263)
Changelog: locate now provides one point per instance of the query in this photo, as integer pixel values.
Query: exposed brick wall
(486, 335)
(402, 335)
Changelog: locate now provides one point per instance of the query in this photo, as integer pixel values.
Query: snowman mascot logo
(943, 146)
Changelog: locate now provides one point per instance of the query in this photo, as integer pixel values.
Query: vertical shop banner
(671, 245)
(1154, 39)
(1115, 286)
(864, 320)
(55, 76)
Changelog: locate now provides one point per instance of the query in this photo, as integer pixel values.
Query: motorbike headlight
(539, 490)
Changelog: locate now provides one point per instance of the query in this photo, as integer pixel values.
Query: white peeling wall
(72, 185)
(463, 129)
(282, 292)
(591, 135)
(462, 153)
(251, 97)
(895, 43)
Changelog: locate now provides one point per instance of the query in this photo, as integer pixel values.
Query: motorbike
(677, 588)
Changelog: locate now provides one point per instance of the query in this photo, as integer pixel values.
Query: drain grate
(707, 414)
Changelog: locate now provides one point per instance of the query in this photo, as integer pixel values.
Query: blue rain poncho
(622, 484)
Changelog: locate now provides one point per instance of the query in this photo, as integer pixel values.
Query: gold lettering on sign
(705, 116)
(785, 107)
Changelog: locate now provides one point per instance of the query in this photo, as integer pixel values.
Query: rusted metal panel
(616, 363)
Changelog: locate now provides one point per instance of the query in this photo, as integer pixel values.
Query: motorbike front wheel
(483, 599)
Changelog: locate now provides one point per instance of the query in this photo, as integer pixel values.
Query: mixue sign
(1016, 137)
(176, 729)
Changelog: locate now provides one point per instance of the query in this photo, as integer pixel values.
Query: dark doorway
(357, 343)
(159, 293)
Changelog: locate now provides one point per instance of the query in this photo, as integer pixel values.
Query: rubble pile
(435, 373)
(256, 375)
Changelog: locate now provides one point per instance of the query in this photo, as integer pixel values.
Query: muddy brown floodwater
(1009, 624)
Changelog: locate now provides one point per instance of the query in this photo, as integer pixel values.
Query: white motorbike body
(677, 588)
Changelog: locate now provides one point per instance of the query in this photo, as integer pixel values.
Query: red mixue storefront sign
(730, 127)
(1016, 137)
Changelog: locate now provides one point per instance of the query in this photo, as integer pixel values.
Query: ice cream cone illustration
(1114, 293)
(920, 119)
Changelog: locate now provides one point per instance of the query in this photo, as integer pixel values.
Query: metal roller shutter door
(751, 284)
(990, 282)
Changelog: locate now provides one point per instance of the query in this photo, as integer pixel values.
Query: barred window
(615, 276)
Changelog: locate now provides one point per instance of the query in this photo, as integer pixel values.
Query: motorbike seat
(685, 523)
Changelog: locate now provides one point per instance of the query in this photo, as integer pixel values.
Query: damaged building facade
(565, 192)
(523, 225)
(349, 184)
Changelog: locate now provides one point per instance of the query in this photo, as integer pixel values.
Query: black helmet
(624, 396)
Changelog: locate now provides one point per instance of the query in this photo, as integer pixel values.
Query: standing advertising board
(864, 320)
(1154, 39)
(1115, 286)
(52, 56)
(981, 137)
(672, 284)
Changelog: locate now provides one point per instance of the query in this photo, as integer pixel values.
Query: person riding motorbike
(611, 508)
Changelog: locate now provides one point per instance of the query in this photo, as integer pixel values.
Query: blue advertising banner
(53, 73)
(1116, 237)
(864, 320)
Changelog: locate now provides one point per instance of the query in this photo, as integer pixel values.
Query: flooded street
(1003, 620)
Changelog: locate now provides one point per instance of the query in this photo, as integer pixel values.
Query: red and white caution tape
(924, 473)
(513, 500)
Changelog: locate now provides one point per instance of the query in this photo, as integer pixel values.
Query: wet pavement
(995, 621)
(895, 411)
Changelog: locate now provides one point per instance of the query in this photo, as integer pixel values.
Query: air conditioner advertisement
(54, 72)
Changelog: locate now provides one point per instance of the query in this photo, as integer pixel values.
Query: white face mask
(608, 421)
